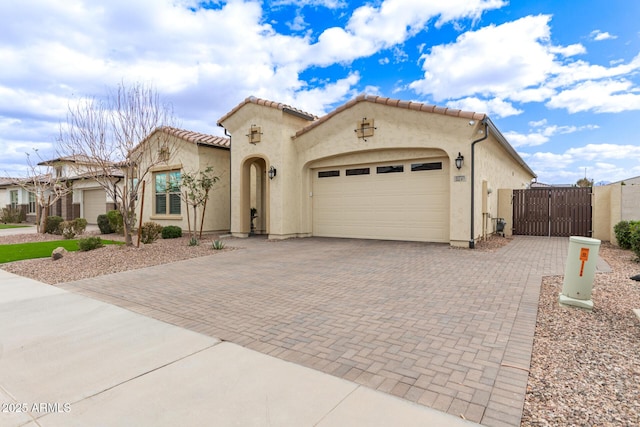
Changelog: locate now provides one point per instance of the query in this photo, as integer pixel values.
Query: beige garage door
(406, 200)
(95, 203)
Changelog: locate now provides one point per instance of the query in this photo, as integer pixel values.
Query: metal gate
(561, 211)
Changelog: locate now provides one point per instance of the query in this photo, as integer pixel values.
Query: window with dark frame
(390, 169)
(357, 171)
(328, 174)
(167, 193)
(415, 167)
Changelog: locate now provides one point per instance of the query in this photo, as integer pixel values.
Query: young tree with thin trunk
(113, 134)
(197, 187)
(45, 186)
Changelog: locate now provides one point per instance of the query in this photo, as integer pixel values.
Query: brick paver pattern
(448, 328)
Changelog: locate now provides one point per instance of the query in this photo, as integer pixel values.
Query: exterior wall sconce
(365, 129)
(459, 161)
(272, 172)
(254, 134)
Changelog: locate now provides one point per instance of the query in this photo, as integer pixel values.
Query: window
(167, 193)
(359, 171)
(327, 174)
(14, 199)
(32, 203)
(390, 169)
(426, 166)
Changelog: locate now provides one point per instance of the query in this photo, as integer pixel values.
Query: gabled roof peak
(272, 104)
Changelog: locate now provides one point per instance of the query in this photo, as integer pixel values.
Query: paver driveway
(447, 328)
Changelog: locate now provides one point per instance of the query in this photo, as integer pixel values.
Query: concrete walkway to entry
(449, 329)
(69, 360)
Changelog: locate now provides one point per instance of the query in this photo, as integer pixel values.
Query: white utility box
(579, 272)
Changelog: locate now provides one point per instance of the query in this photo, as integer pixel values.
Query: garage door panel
(94, 203)
(400, 206)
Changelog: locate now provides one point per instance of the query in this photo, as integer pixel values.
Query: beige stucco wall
(505, 209)
(630, 202)
(614, 203)
(400, 134)
(191, 158)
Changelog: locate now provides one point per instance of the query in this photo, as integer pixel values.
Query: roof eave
(505, 144)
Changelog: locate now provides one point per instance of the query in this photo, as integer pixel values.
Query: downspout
(472, 243)
(227, 134)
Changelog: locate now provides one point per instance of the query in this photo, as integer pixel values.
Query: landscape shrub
(634, 237)
(10, 216)
(104, 225)
(622, 230)
(150, 232)
(53, 224)
(193, 242)
(71, 229)
(171, 232)
(90, 243)
(115, 221)
(217, 245)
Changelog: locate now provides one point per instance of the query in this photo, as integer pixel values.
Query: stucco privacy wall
(613, 203)
(190, 157)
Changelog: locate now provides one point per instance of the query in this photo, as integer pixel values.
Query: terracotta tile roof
(277, 105)
(416, 106)
(197, 138)
(76, 158)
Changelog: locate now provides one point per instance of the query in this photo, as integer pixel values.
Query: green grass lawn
(4, 226)
(20, 251)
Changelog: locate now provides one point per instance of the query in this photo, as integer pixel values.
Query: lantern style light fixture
(459, 161)
(272, 172)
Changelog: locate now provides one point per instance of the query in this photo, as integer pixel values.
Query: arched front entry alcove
(254, 200)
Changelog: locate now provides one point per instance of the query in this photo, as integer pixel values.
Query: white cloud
(542, 133)
(598, 35)
(611, 96)
(516, 62)
(493, 107)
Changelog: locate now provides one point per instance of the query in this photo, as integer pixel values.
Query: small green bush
(70, 229)
(150, 232)
(193, 242)
(90, 243)
(104, 225)
(217, 245)
(635, 238)
(171, 232)
(10, 216)
(622, 230)
(53, 225)
(115, 221)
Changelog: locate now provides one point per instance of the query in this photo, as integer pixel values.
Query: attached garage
(397, 200)
(94, 204)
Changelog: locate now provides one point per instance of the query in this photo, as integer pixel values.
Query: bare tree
(114, 135)
(45, 186)
(196, 193)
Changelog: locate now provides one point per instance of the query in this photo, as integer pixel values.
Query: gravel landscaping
(585, 369)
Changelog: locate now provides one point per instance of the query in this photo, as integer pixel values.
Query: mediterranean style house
(374, 168)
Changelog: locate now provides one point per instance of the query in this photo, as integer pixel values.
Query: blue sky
(559, 78)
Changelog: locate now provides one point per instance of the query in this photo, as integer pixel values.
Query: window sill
(166, 217)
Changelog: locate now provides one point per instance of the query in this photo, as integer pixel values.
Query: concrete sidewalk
(68, 360)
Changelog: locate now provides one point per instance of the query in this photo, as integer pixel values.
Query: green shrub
(115, 221)
(150, 232)
(634, 238)
(193, 242)
(53, 224)
(10, 216)
(622, 230)
(90, 243)
(104, 225)
(217, 245)
(171, 232)
(70, 229)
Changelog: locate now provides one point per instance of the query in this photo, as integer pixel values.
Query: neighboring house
(374, 168)
(185, 152)
(615, 202)
(14, 197)
(88, 198)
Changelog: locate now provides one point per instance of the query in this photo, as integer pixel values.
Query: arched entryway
(254, 200)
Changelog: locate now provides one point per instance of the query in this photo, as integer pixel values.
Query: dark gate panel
(556, 211)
